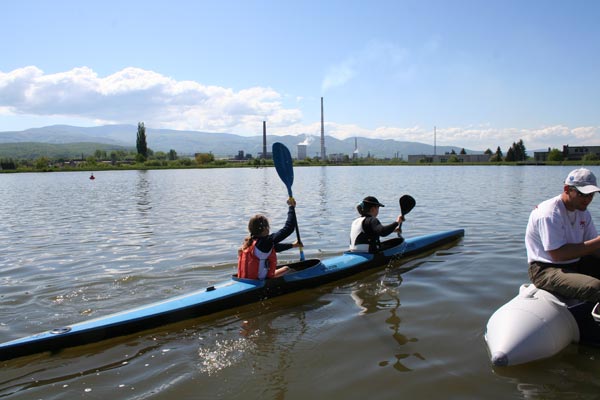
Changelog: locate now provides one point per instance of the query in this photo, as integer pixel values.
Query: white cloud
(375, 54)
(482, 137)
(135, 94)
(472, 137)
(340, 74)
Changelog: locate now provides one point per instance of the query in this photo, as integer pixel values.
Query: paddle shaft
(297, 231)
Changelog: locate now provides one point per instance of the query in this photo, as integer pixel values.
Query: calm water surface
(74, 249)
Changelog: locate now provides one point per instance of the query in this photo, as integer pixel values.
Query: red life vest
(249, 263)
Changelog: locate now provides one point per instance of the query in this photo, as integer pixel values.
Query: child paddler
(257, 258)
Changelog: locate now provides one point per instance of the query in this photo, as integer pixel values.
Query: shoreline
(269, 164)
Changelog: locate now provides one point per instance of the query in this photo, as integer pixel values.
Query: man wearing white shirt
(563, 246)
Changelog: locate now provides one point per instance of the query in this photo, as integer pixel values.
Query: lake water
(74, 249)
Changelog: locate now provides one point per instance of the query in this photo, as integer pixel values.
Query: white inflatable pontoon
(537, 324)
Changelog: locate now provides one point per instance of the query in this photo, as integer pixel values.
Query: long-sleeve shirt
(266, 243)
(366, 231)
(373, 227)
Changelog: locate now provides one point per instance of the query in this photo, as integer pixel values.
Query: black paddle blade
(407, 203)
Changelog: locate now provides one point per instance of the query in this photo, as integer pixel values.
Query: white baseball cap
(583, 179)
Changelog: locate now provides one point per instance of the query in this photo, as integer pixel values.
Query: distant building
(541, 156)
(569, 153)
(337, 157)
(578, 152)
(445, 158)
(241, 156)
(301, 152)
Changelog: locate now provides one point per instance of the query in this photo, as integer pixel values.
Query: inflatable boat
(537, 324)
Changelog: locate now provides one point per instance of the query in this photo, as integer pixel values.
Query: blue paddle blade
(284, 165)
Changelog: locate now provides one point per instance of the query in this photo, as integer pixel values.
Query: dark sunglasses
(584, 195)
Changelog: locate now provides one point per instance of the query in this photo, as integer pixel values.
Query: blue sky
(484, 73)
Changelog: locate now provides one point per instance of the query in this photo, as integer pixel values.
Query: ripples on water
(74, 249)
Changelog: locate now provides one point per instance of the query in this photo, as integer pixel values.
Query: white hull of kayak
(532, 326)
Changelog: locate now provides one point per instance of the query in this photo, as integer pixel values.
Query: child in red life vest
(257, 258)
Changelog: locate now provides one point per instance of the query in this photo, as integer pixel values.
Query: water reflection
(47, 374)
(142, 193)
(267, 201)
(575, 370)
(383, 295)
(263, 341)
(322, 185)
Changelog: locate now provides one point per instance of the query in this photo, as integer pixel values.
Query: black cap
(372, 201)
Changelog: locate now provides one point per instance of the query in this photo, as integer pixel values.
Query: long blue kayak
(226, 295)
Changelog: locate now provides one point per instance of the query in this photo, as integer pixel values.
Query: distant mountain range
(220, 144)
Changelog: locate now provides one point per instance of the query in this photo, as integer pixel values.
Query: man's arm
(575, 250)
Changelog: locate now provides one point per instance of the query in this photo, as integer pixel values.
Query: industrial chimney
(323, 155)
(264, 154)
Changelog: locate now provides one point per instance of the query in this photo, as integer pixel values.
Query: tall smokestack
(323, 155)
(264, 155)
(434, 141)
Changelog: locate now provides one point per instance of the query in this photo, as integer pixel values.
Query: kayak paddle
(407, 203)
(285, 169)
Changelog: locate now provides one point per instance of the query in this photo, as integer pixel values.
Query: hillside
(190, 142)
(67, 151)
